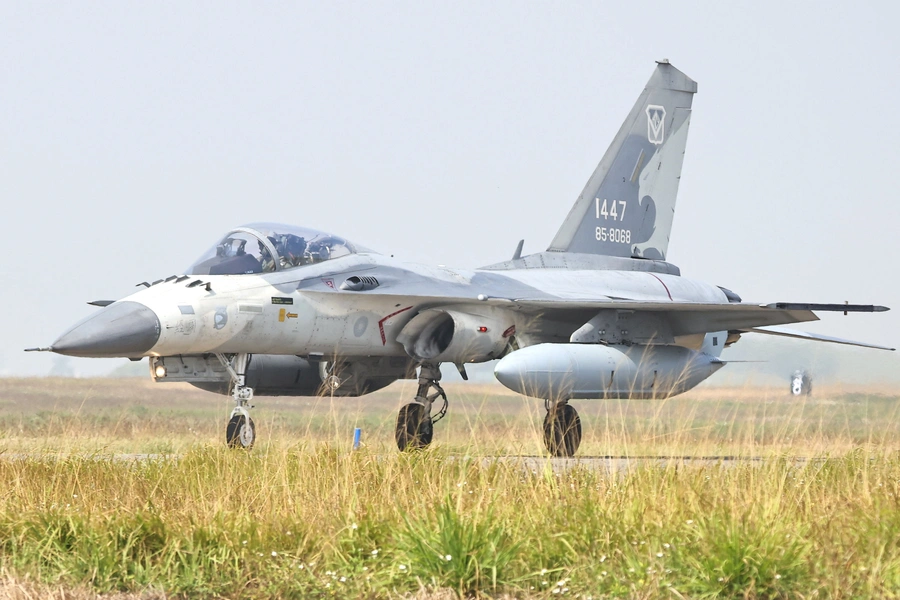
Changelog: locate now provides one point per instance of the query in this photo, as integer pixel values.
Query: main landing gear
(562, 428)
(240, 432)
(415, 425)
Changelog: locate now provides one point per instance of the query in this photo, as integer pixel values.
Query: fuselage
(305, 311)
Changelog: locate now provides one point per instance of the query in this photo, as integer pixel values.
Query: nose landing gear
(562, 428)
(241, 431)
(415, 425)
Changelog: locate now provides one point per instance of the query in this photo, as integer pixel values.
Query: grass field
(813, 512)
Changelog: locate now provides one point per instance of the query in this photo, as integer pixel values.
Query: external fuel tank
(568, 371)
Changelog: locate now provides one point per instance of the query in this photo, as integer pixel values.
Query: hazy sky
(134, 134)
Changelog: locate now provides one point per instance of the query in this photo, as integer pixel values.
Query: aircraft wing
(685, 318)
(696, 317)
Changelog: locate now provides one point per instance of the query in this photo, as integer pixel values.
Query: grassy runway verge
(303, 516)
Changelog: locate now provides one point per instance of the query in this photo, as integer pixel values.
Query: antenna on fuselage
(518, 253)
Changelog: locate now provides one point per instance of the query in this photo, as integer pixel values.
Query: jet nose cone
(121, 329)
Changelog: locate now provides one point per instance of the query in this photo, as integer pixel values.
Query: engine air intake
(359, 284)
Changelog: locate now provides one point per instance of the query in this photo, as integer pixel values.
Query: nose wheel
(415, 424)
(240, 431)
(562, 429)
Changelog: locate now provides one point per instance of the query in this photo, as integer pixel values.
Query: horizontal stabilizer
(805, 335)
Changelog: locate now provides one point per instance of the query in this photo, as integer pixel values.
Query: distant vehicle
(801, 383)
(279, 310)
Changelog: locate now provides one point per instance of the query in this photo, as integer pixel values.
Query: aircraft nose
(121, 329)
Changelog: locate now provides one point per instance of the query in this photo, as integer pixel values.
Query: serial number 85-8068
(611, 234)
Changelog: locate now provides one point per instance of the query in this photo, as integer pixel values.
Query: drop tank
(567, 371)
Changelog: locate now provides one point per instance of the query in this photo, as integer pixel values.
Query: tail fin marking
(627, 207)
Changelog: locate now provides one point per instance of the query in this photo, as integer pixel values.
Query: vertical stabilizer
(627, 206)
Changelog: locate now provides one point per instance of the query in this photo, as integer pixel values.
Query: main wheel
(241, 432)
(414, 428)
(801, 384)
(562, 430)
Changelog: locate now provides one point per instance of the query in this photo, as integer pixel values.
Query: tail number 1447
(614, 209)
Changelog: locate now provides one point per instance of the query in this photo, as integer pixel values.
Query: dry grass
(303, 516)
(138, 416)
(12, 588)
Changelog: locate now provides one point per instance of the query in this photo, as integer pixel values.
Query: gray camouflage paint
(639, 173)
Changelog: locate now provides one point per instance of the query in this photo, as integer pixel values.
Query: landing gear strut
(415, 425)
(562, 428)
(241, 431)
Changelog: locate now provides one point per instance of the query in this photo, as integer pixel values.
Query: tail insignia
(656, 123)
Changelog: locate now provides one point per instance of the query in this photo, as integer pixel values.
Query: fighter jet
(281, 310)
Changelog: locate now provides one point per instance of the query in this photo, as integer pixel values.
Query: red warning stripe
(381, 323)
(663, 284)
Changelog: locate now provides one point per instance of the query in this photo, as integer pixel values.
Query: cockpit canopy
(269, 247)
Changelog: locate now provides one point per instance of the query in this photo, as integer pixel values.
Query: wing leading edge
(688, 318)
